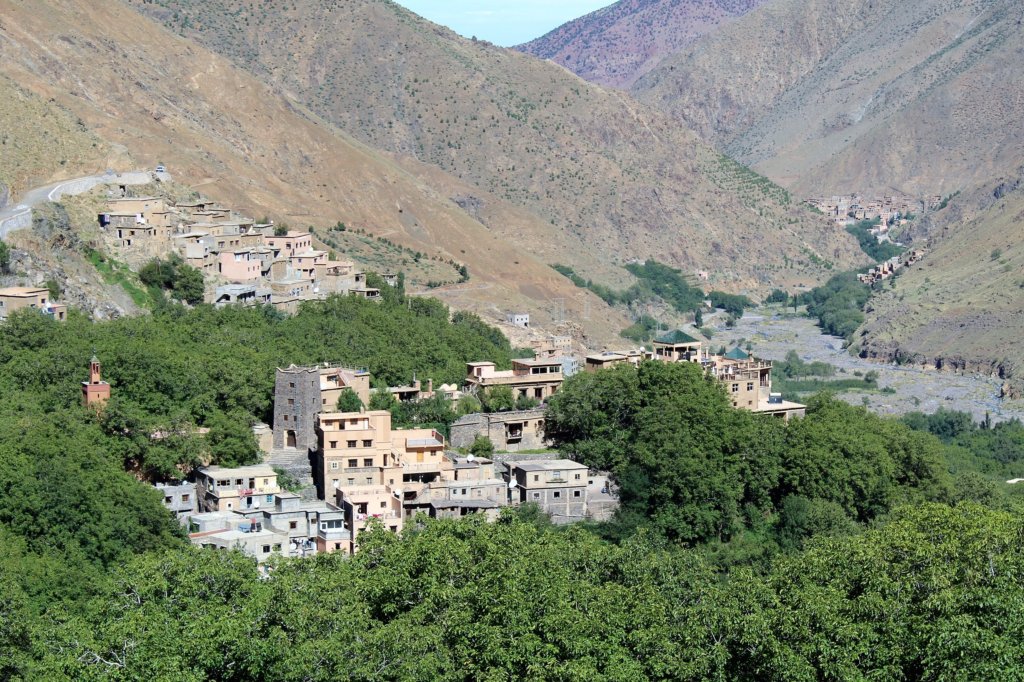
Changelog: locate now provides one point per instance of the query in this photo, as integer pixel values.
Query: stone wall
(296, 405)
(499, 427)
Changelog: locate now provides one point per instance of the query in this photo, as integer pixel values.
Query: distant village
(250, 263)
(890, 211)
(357, 468)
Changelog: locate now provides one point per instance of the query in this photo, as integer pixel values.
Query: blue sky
(503, 22)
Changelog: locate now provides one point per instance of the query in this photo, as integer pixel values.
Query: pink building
(240, 265)
(293, 242)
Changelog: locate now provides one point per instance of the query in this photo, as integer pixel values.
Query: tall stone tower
(297, 402)
(95, 392)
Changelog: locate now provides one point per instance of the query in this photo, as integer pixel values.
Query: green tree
(348, 401)
(498, 399)
(188, 285)
(231, 440)
(482, 447)
(5, 258)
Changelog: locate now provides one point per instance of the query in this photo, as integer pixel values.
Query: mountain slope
(618, 44)
(163, 99)
(873, 95)
(962, 306)
(609, 179)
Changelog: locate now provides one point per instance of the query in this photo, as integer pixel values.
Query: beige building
(507, 431)
(558, 486)
(36, 298)
(610, 358)
(221, 489)
(533, 378)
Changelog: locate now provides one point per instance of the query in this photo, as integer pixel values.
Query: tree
(498, 399)
(5, 259)
(348, 401)
(231, 440)
(188, 285)
(698, 317)
(482, 447)
(383, 399)
(280, 230)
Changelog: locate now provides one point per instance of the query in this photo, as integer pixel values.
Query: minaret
(95, 392)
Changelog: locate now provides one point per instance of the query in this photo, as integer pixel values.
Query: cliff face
(961, 308)
(618, 44)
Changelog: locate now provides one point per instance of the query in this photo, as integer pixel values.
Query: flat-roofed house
(34, 298)
(529, 377)
(557, 486)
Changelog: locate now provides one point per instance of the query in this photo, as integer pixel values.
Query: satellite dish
(511, 485)
(398, 492)
(470, 458)
(335, 485)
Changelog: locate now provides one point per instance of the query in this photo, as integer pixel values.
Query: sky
(503, 22)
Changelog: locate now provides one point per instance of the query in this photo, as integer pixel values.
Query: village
(326, 475)
(357, 469)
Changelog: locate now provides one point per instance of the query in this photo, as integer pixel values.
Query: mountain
(830, 96)
(618, 44)
(962, 306)
(609, 180)
(153, 97)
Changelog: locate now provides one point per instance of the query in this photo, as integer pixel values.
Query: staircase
(297, 464)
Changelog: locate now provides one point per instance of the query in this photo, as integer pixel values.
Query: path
(19, 216)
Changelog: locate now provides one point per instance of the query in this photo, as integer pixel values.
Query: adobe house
(508, 431)
(37, 298)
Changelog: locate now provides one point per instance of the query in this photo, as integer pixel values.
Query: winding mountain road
(19, 216)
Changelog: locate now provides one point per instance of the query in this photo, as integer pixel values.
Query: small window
(291, 384)
(577, 477)
(293, 525)
(168, 500)
(557, 494)
(536, 477)
(351, 481)
(334, 465)
(536, 496)
(334, 443)
(186, 497)
(367, 443)
(266, 549)
(369, 480)
(576, 493)
(368, 462)
(750, 385)
(353, 463)
(350, 444)
(291, 401)
(383, 505)
(337, 545)
(735, 388)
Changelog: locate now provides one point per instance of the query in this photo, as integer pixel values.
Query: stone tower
(297, 401)
(95, 392)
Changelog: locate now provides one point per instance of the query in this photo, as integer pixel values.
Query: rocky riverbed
(773, 334)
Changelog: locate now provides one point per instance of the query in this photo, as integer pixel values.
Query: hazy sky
(503, 22)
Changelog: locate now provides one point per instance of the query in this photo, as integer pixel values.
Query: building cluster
(747, 379)
(889, 210)
(888, 268)
(250, 263)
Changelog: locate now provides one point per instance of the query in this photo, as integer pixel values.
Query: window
(369, 480)
(266, 549)
(536, 496)
(368, 461)
(750, 385)
(186, 497)
(576, 493)
(334, 465)
(735, 388)
(337, 545)
(334, 443)
(230, 505)
(167, 500)
(557, 494)
(293, 525)
(577, 477)
(353, 463)
(383, 505)
(291, 401)
(351, 481)
(277, 547)
(350, 444)
(463, 491)
(367, 443)
(286, 417)
(536, 477)
(291, 384)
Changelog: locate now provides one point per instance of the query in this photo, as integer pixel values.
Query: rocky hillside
(827, 96)
(160, 98)
(618, 44)
(962, 306)
(605, 179)
(38, 140)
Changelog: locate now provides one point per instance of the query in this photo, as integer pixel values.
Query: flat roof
(533, 362)
(23, 291)
(548, 465)
(423, 442)
(252, 470)
(784, 406)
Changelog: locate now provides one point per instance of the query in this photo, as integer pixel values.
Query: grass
(117, 273)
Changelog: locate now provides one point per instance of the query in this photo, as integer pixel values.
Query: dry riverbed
(773, 335)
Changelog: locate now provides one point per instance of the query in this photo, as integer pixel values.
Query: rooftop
(548, 465)
(676, 337)
(23, 291)
(239, 472)
(737, 353)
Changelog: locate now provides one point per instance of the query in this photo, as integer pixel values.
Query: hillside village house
(609, 358)
(289, 244)
(508, 431)
(301, 393)
(221, 489)
(533, 378)
(559, 487)
(35, 298)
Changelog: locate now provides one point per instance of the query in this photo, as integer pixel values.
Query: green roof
(736, 354)
(678, 336)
